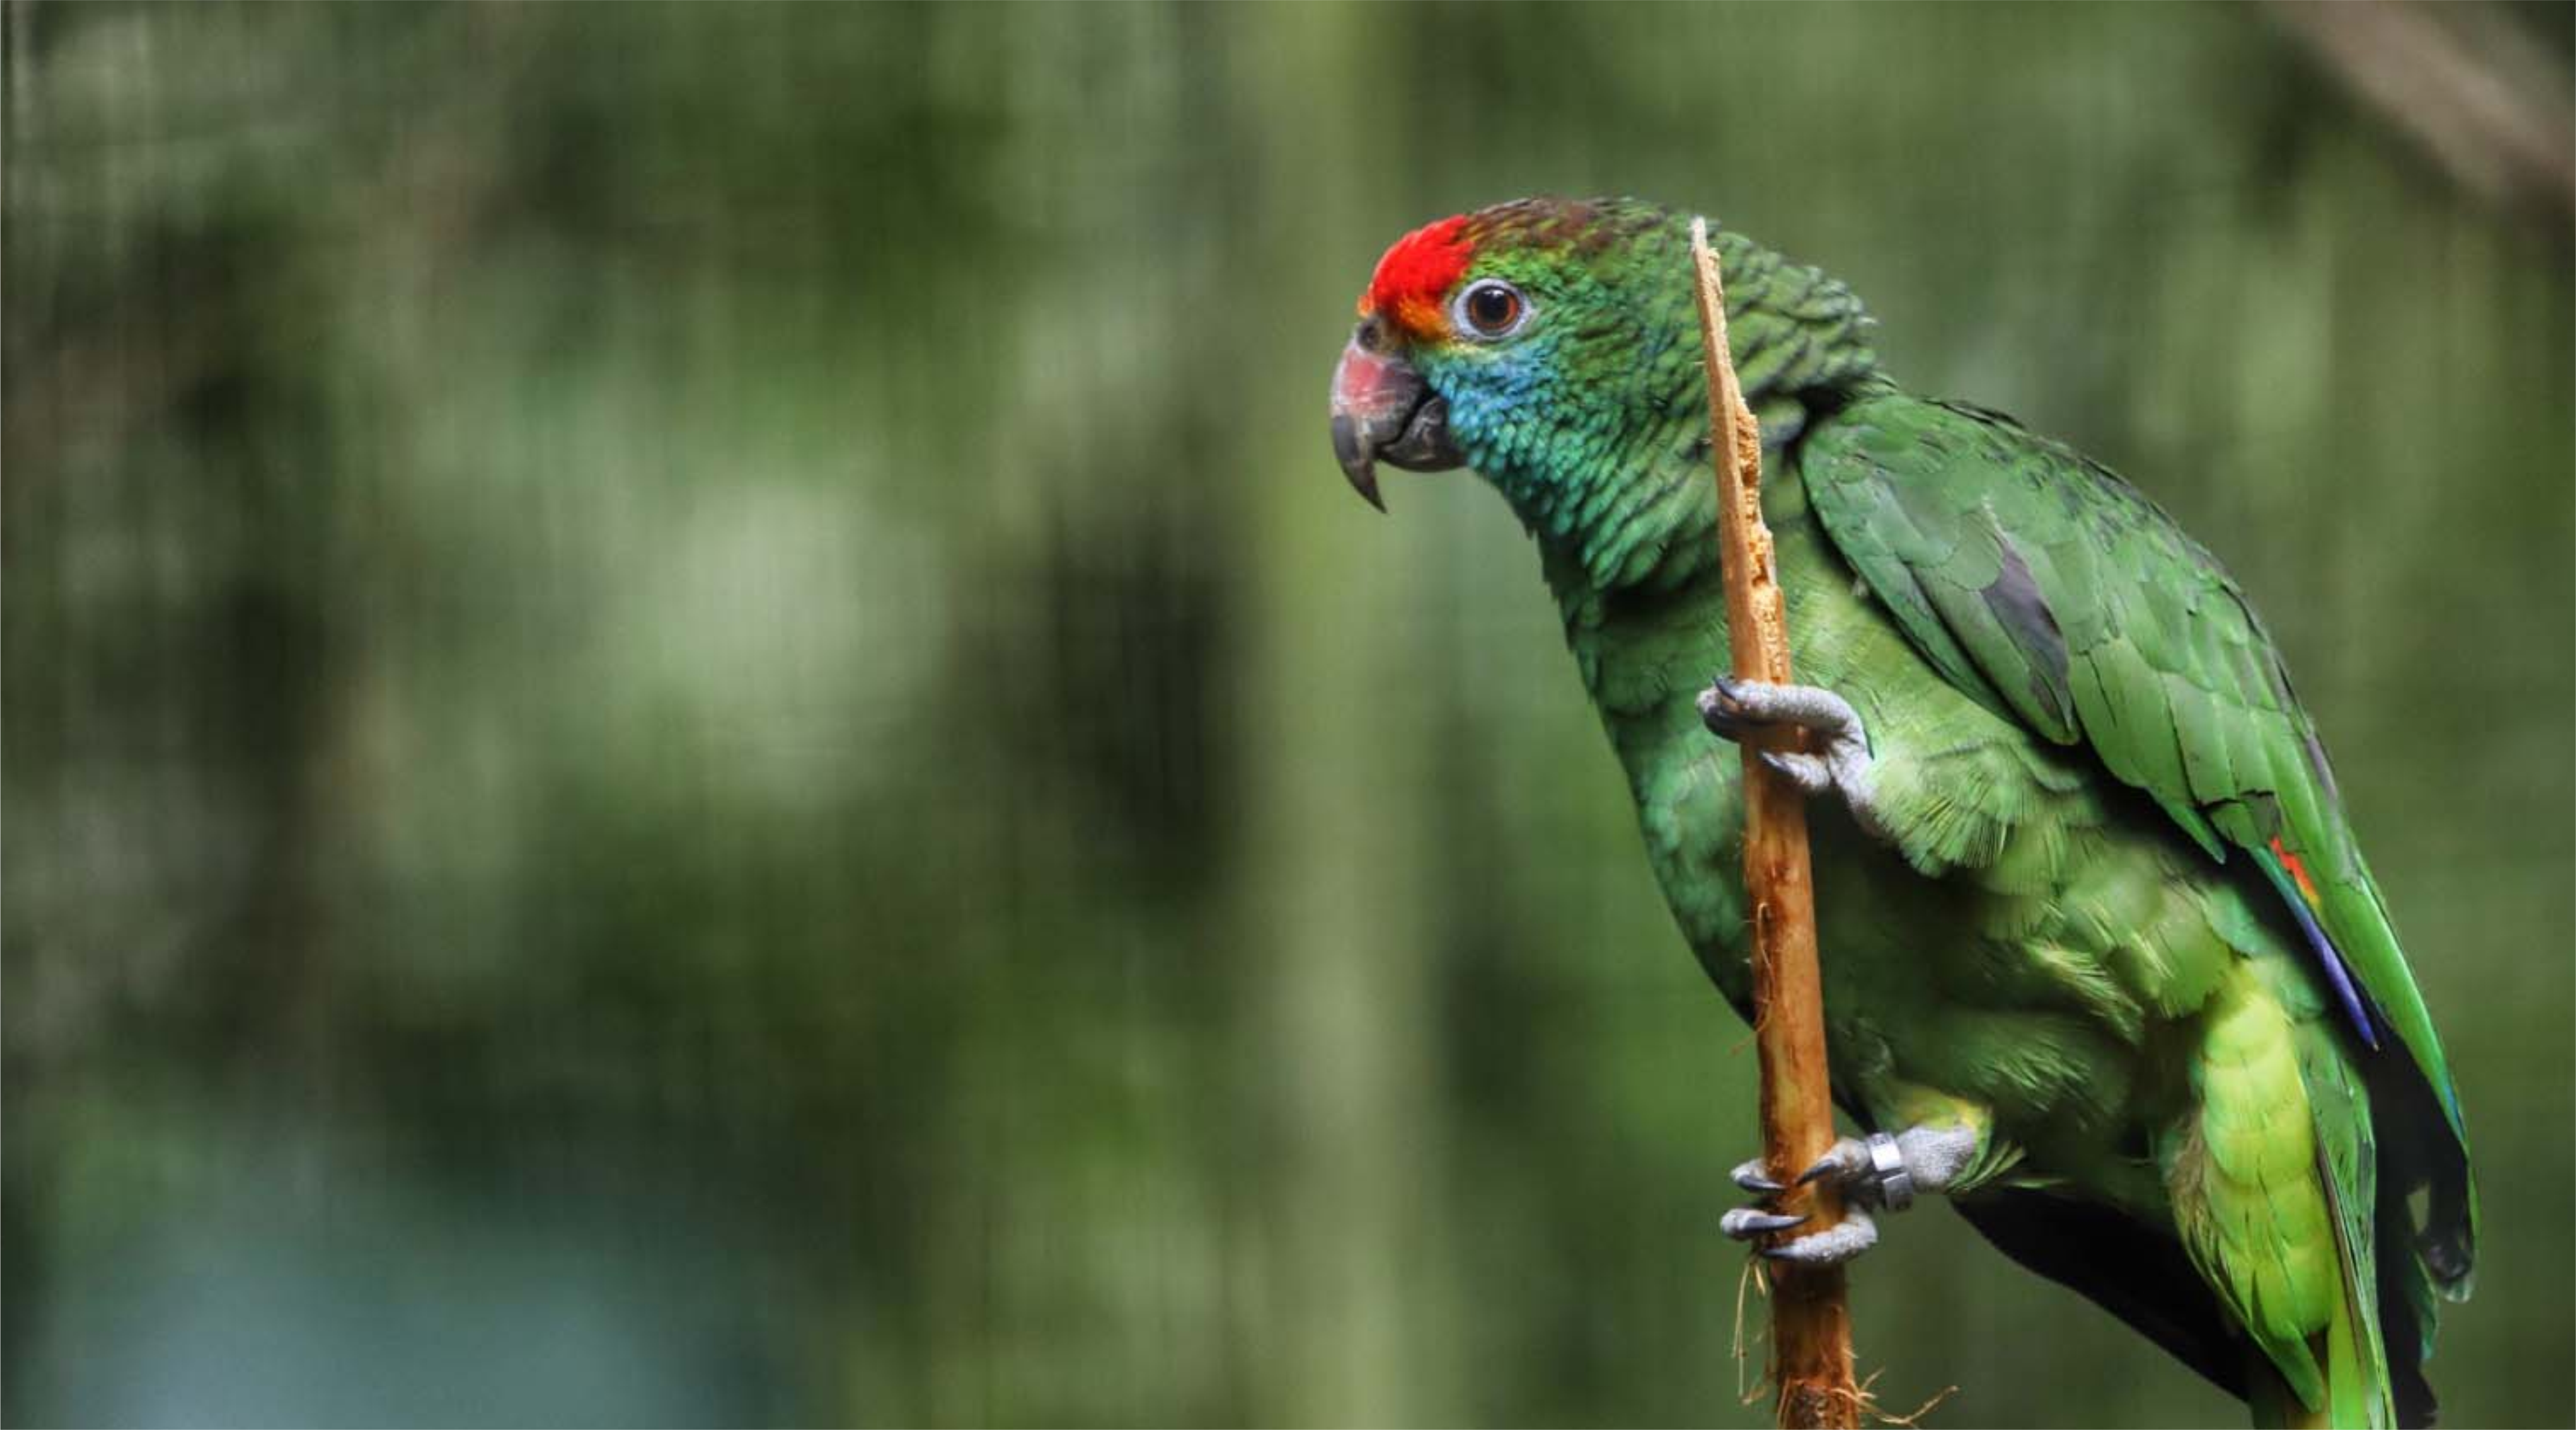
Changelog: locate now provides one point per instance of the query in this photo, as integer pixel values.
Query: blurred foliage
(696, 730)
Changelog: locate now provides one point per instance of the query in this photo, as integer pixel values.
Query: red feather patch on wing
(2290, 875)
(2298, 872)
(1416, 272)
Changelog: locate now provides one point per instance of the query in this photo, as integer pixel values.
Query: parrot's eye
(1491, 309)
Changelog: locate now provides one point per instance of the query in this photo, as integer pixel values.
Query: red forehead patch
(1416, 272)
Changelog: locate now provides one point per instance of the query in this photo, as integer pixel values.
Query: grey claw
(1745, 1223)
(1721, 709)
(1754, 1177)
(1843, 1161)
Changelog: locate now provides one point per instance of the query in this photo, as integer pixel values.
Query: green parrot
(2103, 963)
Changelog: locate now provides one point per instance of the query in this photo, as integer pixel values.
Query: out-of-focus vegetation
(696, 730)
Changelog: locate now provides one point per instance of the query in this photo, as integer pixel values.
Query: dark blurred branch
(2475, 89)
(9, 83)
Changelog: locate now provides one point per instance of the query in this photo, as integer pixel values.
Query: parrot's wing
(2053, 592)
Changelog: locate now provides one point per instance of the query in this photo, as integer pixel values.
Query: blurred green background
(696, 730)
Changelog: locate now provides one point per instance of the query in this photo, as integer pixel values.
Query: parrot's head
(1526, 340)
(1554, 346)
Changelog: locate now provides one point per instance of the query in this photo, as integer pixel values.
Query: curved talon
(1843, 1162)
(1754, 1177)
(1721, 708)
(1746, 1223)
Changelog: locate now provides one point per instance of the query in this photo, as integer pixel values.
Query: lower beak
(1383, 409)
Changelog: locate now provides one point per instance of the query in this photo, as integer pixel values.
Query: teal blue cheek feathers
(1502, 404)
(1554, 449)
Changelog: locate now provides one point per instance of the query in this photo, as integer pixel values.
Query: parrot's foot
(1877, 1172)
(1740, 709)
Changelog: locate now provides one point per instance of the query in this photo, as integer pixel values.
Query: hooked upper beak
(1383, 408)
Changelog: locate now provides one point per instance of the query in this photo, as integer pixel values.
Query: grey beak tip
(1358, 462)
(1364, 481)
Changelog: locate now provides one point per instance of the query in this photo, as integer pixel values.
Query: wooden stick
(1811, 1355)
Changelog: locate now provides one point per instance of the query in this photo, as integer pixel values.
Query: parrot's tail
(2308, 1239)
(2276, 1406)
(2372, 1349)
(2357, 1397)
(2358, 1391)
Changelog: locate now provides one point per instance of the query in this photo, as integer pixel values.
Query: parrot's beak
(1383, 409)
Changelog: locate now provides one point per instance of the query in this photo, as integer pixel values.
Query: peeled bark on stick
(1811, 1355)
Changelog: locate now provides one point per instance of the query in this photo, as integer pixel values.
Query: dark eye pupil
(1492, 308)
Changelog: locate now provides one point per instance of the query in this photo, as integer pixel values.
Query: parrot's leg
(1878, 1172)
(1743, 709)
